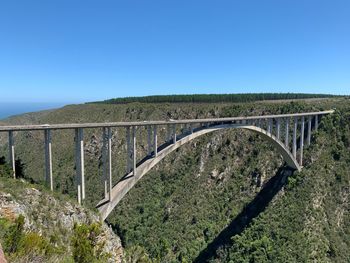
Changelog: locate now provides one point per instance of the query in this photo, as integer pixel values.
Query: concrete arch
(127, 182)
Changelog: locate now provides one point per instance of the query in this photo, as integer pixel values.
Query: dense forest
(224, 197)
(218, 98)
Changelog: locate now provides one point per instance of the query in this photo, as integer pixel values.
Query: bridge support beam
(79, 163)
(278, 128)
(302, 140)
(104, 160)
(155, 141)
(269, 125)
(174, 133)
(295, 137)
(128, 150)
(12, 154)
(316, 122)
(134, 151)
(286, 139)
(109, 146)
(149, 140)
(168, 133)
(309, 131)
(48, 159)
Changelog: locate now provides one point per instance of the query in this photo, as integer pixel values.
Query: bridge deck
(147, 123)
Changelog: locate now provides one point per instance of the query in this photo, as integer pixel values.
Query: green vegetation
(21, 246)
(311, 221)
(215, 98)
(54, 243)
(86, 248)
(178, 209)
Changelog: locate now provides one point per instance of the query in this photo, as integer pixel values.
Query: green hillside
(215, 98)
(224, 197)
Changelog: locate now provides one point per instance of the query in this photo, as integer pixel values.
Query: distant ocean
(8, 109)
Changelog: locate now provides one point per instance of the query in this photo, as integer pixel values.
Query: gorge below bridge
(287, 133)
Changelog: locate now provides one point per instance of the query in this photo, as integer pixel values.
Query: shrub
(86, 248)
(14, 236)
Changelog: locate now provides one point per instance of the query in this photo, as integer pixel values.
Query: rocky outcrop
(48, 215)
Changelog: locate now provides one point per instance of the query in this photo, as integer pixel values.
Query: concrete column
(191, 128)
(295, 137)
(78, 164)
(128, 150)
(174, 133)
(149, 139)
(109, 134)
(12, 154)
(82, 166)
(259, 123)
(278, 128)
(309, 130)
(104, 160)
(134, 151)
(168, 133)
(286, 139)
(269, 125)
(302, 140)
(155, 139)
(316, 122)
(186, 129)
(48, 159)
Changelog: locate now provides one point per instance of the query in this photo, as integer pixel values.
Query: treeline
(214, 98)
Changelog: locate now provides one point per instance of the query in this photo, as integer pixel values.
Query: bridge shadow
(252, 210)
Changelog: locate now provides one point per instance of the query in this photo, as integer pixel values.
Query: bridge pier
(48, 159)
(302, 140)
(134, 151)
(259, 123)
(278, 128)
(174, 133)
(286, 142)
(316, 122)
(309, 130)
(79, 163)
(269, 126)
(128, 150)
(149, 139)
(168, 133)
(104, 160)
(109, 146)
(155, 141)
(295, 137)
(12, 154)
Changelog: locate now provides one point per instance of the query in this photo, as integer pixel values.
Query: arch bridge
(281, 131)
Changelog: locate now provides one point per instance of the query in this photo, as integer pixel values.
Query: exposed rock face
(47, 215)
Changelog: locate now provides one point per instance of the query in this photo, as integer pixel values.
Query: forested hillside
(215, 98)
(224, 197)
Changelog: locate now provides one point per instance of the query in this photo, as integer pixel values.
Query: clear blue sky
(74, 51)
